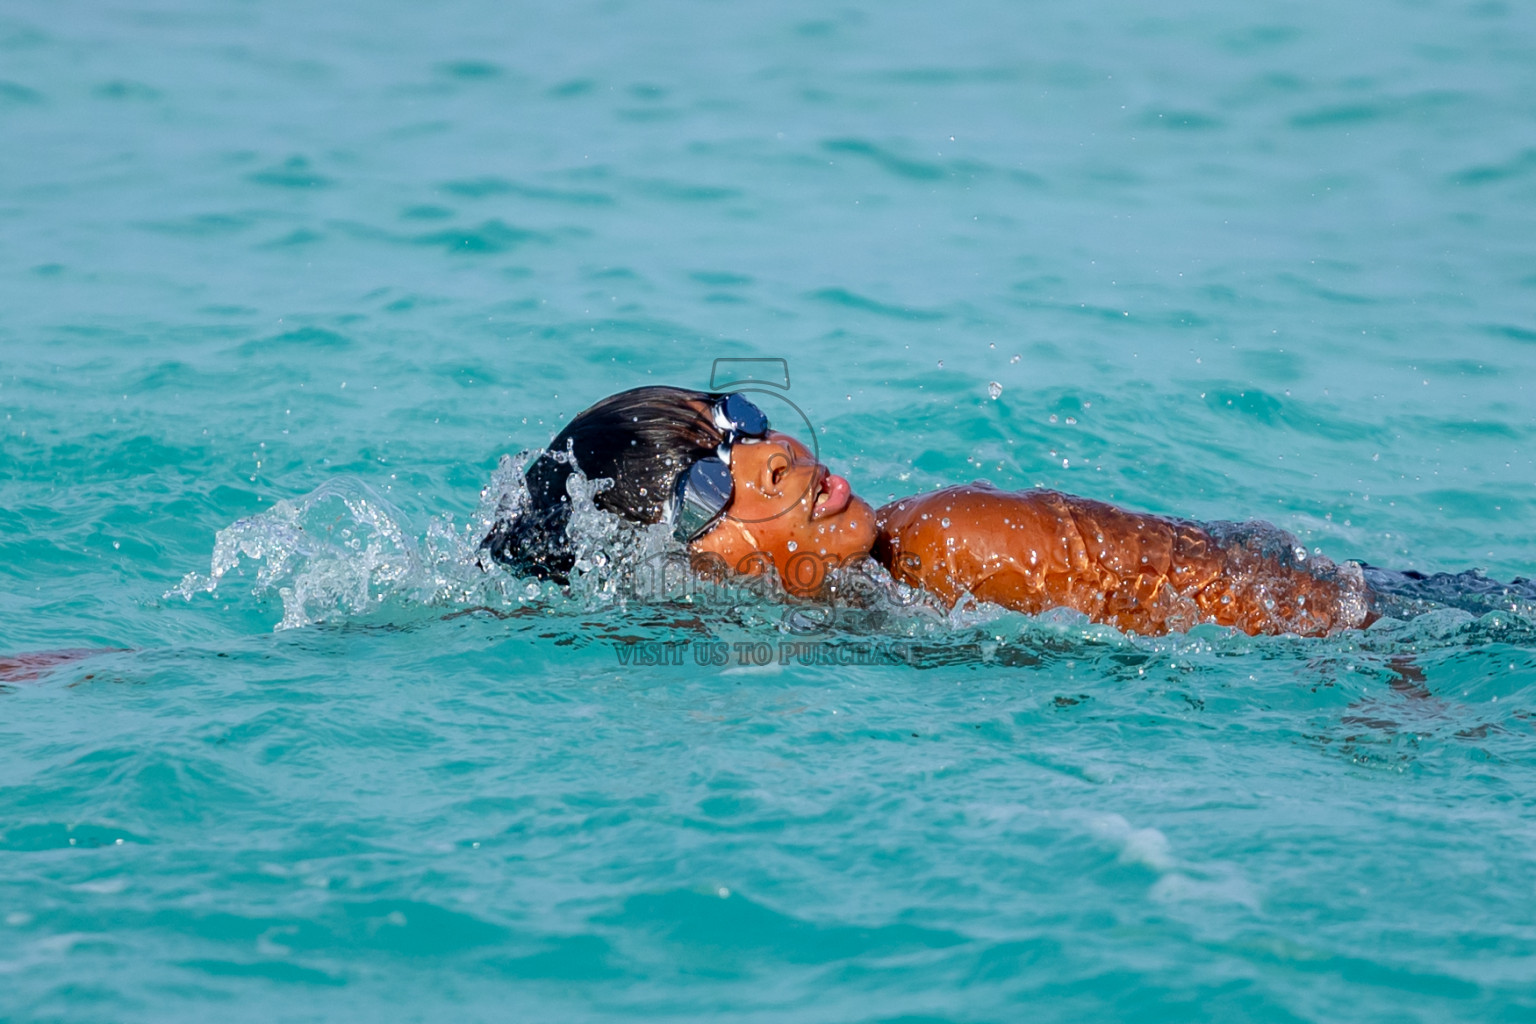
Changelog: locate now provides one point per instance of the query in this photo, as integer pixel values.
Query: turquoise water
(1225, 261)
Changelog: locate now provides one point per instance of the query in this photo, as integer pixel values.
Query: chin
(852, 531)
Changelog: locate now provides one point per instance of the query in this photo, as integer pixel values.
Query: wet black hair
(641, 439)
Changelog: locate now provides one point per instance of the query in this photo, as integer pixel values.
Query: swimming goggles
(705, 489)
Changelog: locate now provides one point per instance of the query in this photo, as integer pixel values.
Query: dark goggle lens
(702, 495)
(745, 418)
(706, 488)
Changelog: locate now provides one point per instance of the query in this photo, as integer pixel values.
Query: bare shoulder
(959, 504)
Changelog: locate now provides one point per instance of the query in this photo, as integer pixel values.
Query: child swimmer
(737, 492)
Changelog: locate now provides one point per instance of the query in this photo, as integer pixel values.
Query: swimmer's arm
(1039, 549)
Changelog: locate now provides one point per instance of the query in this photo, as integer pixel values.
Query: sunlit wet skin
(790, 513)
(1025, 550)
(1035, 550)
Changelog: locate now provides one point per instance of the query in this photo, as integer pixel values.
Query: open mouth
(832, 494)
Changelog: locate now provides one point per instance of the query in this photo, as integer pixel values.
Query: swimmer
(742, 495)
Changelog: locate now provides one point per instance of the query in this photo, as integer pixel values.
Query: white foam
(1146, 846)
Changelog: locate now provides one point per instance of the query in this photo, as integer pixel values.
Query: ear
(777, 459)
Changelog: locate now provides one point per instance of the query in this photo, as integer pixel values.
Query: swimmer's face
(789, 512)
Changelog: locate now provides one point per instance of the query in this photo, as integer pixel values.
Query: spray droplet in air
(995, 390)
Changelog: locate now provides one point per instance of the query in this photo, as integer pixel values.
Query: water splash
(343, 549)
(1262, 577)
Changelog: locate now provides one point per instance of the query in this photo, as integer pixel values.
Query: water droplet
(793, 546)
(995, 390)
(944, 522)
(941, 364)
